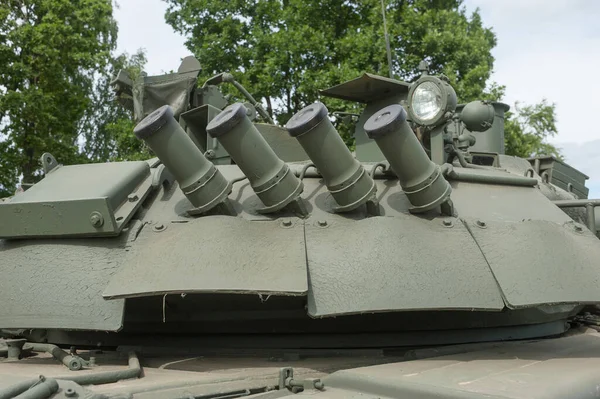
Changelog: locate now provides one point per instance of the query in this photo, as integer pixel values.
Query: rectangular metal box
(561, 174)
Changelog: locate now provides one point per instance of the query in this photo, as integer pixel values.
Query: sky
(546, 49)
(550, 49)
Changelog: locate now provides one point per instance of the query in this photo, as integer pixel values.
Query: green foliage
(107, 126)
(453, 43)
(49, 52)
(527, 128)
(286, 51)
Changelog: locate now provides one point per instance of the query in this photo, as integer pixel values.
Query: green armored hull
(246, 237)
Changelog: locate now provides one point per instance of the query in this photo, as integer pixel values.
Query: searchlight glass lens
(427, 101)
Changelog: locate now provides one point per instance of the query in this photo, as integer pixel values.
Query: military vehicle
(262, 259)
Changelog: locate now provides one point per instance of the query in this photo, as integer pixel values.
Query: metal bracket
(82, 362)
(251, 111)
(373, 207)
(447, 208)
(49, 163)
(14, 346)
(161, 176)
(286, 380)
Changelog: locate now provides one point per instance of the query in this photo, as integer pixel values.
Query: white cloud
(548, 49)
(142, 25)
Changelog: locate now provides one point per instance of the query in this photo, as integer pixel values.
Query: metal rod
(34, 389)
(106, 377)
(72, 362)
(16, 389)
(459, 175)
(576, 203)
(545, 177)
(256, 104)
(387, 41)
(237, 179)
(591, 217)
(463, 162)
(304, 169)
(43, 390)
(380, 165)
(379, 173)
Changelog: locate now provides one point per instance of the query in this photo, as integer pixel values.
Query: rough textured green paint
(391, 270)
(64, 282)
(546, 248)
(243, 270)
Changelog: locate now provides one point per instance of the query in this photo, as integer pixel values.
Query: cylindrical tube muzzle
(201, 182)
(269, 177)
(344, 176)
(420, 178)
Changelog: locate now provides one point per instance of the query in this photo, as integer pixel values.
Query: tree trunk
(269, 106)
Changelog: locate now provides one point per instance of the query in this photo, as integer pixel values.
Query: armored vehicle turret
(251, 256)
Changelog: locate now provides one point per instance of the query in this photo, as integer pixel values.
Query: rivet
(159, 227)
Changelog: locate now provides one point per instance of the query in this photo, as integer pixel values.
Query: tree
(452, 43)
(50, 51)
(286, 50)
(527, 127)
(107, 126)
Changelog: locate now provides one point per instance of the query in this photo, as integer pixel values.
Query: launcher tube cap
(306, 119)
(229, 118)
(385, 121)
(153, 122)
